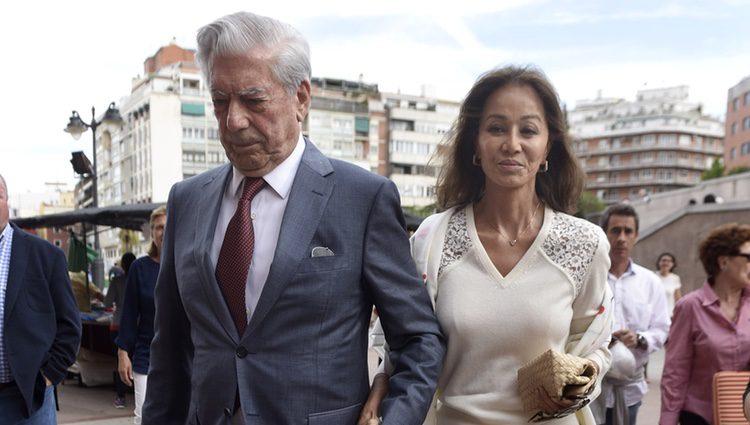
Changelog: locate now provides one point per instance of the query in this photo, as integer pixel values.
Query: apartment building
(391, 134)
(661, 141)
(737, 140)
(346, 121)
(169, 133)
(416, 127)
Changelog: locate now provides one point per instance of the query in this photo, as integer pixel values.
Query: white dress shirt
(641, 306)
(267, 210)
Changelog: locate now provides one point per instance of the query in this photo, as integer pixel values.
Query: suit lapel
(19, 255)
(206, 215)
(307, 201)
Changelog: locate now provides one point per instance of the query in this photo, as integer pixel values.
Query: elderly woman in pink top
(710, 328)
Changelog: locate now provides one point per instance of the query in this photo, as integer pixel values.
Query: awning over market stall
(131, 217)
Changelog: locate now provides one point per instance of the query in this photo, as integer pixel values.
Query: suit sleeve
(411, 328)
(168, 390)
(63, 351)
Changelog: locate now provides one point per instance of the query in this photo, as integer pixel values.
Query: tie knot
(253, 185)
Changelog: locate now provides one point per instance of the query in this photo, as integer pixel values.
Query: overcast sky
(65, 55)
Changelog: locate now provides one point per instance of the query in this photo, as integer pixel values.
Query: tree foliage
(716, 170)
(589, 203)
(129, 240)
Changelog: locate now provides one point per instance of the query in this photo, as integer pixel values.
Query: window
(734, 128)
(735, 103)
(747, 98)
(746, 123)
(668, 140)
(733, 153)
(745, 148)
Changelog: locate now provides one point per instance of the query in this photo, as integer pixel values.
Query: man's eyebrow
(252, 91)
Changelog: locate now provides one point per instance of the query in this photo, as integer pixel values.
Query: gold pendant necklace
(513, 242)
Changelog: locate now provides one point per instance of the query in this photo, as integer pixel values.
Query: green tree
(589, 203)
(716, 170)
(129, 240)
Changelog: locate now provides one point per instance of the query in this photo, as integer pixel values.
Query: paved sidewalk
(93, 406)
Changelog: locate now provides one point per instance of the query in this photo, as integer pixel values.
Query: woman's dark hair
(723, 240)
(666, 254)
(126, 260)
(460, 182)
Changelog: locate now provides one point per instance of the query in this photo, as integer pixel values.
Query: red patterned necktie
(236, 254)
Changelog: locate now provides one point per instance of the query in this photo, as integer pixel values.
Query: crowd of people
(253, 304)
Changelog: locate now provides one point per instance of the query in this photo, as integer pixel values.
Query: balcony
(592, 153)
(684, 164)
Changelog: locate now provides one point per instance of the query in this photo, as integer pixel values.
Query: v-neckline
(485, 259)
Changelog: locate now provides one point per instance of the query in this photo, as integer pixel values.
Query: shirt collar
(279, 179)
(628, 271)
(708, 296)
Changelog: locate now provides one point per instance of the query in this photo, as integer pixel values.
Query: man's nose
(237, 116)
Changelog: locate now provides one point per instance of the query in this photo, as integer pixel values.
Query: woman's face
(666, 263)
(513, 137)
(157, 230)
(736, 268)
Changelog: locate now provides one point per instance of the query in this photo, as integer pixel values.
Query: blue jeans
(12, 408)
(632, 413)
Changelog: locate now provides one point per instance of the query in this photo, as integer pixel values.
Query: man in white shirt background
(641, 316)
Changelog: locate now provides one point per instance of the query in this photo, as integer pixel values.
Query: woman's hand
(124, 367)
(371, 410)
(551, 405)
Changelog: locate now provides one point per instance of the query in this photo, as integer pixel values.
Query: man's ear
(303, 100)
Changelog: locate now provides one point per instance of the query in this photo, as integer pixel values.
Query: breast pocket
(36, 292)
(323, 264)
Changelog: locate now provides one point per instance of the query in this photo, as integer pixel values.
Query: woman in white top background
(511, 274)
(665, 265)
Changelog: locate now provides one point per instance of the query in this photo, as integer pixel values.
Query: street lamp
(75, 128)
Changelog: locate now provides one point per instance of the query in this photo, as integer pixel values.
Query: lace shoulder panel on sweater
(571, 244)
(456, 242)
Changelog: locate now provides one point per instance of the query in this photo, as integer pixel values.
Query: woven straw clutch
(562, 376)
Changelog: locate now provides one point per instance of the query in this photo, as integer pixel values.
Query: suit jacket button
(241, 352)
(228, 412)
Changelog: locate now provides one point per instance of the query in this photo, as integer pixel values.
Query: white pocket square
(321, 251)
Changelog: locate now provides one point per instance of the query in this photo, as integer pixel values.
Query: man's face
(622, 237)
(258, 118)
(4, 209)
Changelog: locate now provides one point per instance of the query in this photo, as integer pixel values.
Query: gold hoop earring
(544, 167)
(475, 160)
